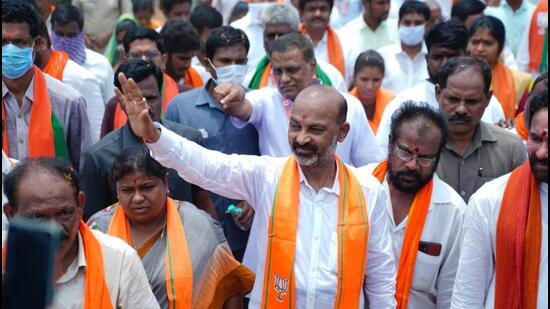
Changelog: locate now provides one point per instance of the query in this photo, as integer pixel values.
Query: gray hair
(281, 13)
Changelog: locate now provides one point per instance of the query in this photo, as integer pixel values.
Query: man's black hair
(291, 41)
(66, 13)
(414, 6)
(140, 33)
(179, 36)
(460, 64)
(464, 8)
(167, 5)
(494, 26)
(449, 34)
(14, 11)
(302, 3)
(138, 70)
(224, 37)
(205, 16)
(537, 103)
(142, 5)
(29, 167)
(412, 110)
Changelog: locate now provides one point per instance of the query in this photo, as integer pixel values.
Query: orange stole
(415, 225)
(169, 91)
(56, 64)
(383, 97)
(192, 78)
(521, 127)
(518, 242)
(504, 89)
(353, 232)
(536, 39)
(96, 292)
(334, 49)
(41, 139)
(178, 269)
(265, 76)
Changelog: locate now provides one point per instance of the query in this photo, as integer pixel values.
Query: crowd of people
(281, 154)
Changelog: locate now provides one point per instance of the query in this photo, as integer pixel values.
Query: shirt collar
(440, 193)
(79, 262)
(521, 8)
(29, 93)
(205, 98)
(335, 189)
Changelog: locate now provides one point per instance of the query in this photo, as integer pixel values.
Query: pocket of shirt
(425, 271)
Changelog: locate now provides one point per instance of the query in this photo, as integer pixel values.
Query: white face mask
(411, 36)
(234, 73)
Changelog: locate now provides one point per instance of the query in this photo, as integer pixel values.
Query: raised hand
(134, 104)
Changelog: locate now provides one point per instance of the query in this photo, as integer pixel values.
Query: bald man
(314, 258)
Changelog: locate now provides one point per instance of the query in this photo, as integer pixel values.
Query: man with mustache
(315, 16)
(268, 109)
(424, 214)
(308, 255)
(92, 270)
(476, 152)
(504, 253)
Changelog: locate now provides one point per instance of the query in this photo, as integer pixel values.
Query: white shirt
(271, 121)
(475, 279)
(101, 68)
(254, 30)
(321, 54)
(87, 85)
(255, 179)
(124, 275)
(402, 72)
(358, 37)
(333, 74)
(345, 11)
(433, 279)
(425, 92)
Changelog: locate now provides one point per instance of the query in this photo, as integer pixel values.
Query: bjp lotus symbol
(281, 286)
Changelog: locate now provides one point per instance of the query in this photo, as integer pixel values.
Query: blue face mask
(16, 61)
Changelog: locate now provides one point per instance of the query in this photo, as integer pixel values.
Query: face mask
(234, 73)
(74, 46)
(411, 36)
(16, 61)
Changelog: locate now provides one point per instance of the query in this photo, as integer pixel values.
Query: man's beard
(316, 157)
(539, 176)
(395, 178)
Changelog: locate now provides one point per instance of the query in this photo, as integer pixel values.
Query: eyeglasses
(407, 156)
(21, 43)
(150, 54)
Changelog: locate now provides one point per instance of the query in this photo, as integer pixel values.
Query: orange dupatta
(383, 97)
(169, 91)
(521, 128)
(96, 292)
(518, 242)
(415, 226)
(56, 64)
(177, 262)
(192, 78)
(353, 232)
(504, 89)
(537, 37)
(41, 127)
(334, 49)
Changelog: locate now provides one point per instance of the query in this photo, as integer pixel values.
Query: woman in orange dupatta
(367, 78)
(486, 42)
(183, 250)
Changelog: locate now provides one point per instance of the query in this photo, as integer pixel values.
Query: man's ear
(40, 43)
(9, 210)
(344, 130)
(437, 91)
(81, 201)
